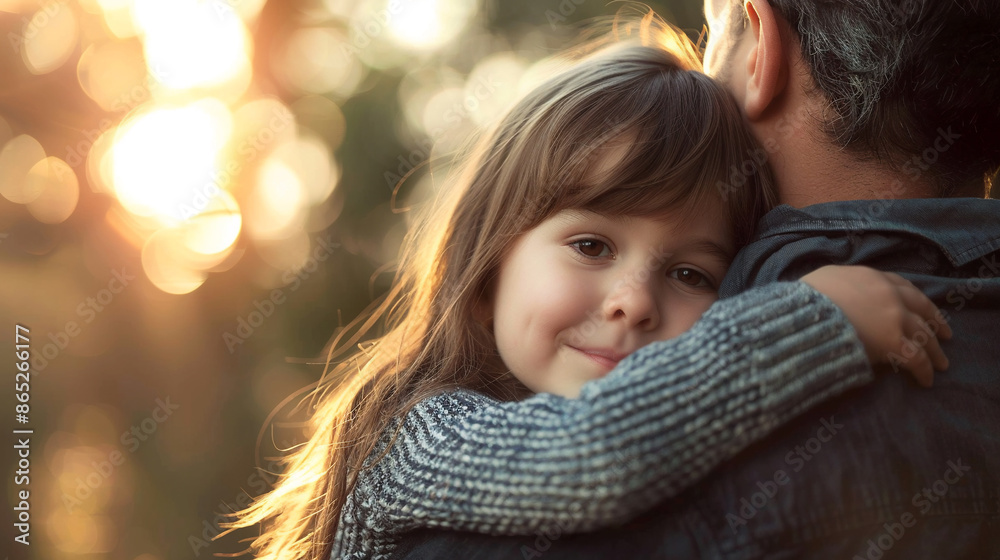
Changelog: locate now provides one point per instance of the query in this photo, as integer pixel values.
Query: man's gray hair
(900, 73)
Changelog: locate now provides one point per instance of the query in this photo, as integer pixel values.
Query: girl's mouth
(605, 358)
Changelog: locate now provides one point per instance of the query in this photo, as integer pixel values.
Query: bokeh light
(213, 233)
(57, 187)
(100, 168)
(190, 134)
(119, 17)
(164, 264)
(416, 90)
(49, 37)
(494, 84)
(17, 158)
(274, 208)
(147, 179)
(425, 24)
(319, 60)
(17, 6)
(192, 44)
(322, 117)
(258, 126)
(113, 73)
(309, 158)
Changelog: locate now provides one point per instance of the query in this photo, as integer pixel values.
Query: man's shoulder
(936, 238)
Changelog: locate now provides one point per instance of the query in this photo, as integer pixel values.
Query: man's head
(880, 81)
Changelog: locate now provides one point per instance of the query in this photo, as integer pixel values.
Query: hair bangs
(667, 140)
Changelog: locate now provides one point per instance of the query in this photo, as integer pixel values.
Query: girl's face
(581, 291)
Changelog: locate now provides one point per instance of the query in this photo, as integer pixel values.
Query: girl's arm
(660, 421)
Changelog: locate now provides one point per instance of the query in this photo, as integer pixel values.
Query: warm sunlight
(166, 161)
(192, 44)
(427, 24)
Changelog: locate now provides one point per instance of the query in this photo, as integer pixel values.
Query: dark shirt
(890, 470)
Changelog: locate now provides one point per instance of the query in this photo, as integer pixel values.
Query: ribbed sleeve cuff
(804, 349)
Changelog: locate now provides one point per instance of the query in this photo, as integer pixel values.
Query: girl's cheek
(556, 301)
(683, 313)
(570, 290)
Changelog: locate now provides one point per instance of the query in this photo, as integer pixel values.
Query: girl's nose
(632, 300)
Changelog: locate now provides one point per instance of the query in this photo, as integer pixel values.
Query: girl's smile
(582, 290)
(606, 358)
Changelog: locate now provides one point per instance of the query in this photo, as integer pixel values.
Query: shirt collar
(965, 229)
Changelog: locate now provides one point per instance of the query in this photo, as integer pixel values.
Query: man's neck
(811, 171)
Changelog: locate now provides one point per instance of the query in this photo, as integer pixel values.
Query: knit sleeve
(661, 420)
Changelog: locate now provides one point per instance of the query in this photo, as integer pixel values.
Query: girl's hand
(895, 321)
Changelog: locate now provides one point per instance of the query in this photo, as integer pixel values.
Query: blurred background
(196, 195)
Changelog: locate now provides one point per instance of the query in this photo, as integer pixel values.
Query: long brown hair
(640, 83)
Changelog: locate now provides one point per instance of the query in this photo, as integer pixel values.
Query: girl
(544, 362)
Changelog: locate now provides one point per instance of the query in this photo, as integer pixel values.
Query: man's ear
(767, 74)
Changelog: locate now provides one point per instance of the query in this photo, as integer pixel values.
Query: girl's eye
(592, 248)
(691, 277)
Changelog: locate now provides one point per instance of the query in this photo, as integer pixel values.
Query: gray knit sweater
(661, 420)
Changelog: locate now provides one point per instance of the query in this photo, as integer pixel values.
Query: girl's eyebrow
(582, 214)
(711, 248)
